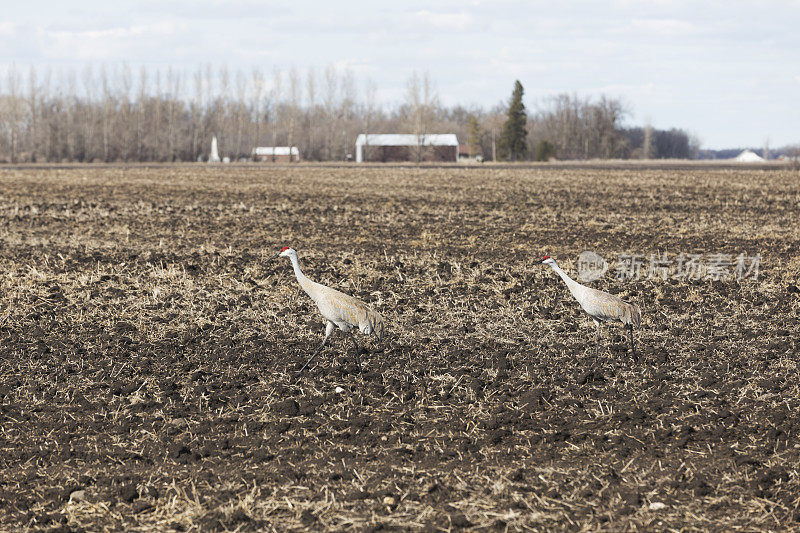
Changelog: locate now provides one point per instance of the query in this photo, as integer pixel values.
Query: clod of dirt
(120, 388)
(460, 520)
(176, 450)
(128, 493)
(771, 476)
(308, 518)
(282, 427)
(358, 495)
(496, 436)
(142, 506)
(742, 460)
(631, 497)
(288, 407)
(532, 398)
(125, 327)
(660, 357)
(700, 487)
(491, 423)
(592, 375)
(476, 386)
(217, 521)
(262, 456)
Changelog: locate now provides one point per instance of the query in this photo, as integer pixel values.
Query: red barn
(406, 147)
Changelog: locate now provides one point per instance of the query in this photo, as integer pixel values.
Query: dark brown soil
(146, 351)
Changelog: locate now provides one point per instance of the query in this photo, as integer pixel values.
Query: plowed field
(146, 351)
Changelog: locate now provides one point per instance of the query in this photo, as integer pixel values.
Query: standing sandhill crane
(339, 309)
(601, 306)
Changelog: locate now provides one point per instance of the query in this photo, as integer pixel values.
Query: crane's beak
(273, 257)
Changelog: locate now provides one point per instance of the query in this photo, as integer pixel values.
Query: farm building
(406, 147)
(276, 154)
(466, 155)
(748, 156)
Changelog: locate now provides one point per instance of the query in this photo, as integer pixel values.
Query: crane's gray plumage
(600, 305)
(339, 309)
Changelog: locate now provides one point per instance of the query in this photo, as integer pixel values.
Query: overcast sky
(728, 72)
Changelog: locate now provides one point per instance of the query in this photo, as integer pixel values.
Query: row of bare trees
(121, 114)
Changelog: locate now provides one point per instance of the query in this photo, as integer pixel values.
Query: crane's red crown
(545, 258)
(284, 249)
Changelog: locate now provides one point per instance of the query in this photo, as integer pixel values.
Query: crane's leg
(633, 350)
(328, 331)
(596, 340)
(358, 357)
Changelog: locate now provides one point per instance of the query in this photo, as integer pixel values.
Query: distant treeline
(169, 115)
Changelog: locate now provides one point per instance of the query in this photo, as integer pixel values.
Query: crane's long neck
(305, 283)
(574, 286)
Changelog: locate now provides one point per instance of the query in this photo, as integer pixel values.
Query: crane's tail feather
(378, 326)
(633, 315)
(375, 324)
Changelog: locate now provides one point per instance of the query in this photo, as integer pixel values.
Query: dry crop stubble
(146, 350)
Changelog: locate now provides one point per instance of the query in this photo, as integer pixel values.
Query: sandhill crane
(339, 309)
(601, 306)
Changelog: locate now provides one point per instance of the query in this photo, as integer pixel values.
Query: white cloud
(108, 44)
(461, 21)
(6, 28)
(18, 42)
(667, 26)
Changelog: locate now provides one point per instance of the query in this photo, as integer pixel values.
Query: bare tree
(311, 94)
(794, 156)
(140, 115)
(48, 115)
(294, 102)
(174, 106)
(239, 113)
(331, 92)
(33, 113)
(276, 93)
(422, 101)
(647, 143)
(14, 112)
(258, 90)
(369, 114)
(126, 121)
(72, 127)
(349, 97)
(105, 114)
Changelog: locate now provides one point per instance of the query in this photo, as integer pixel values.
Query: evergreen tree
(475, 135)
(544, 151)
(513, 143)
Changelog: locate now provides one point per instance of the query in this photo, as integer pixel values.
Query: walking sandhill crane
(339, 309)
(601, 306)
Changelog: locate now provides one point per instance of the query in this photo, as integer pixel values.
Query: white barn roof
(407, 139)
(275, 150)
(748, 156)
